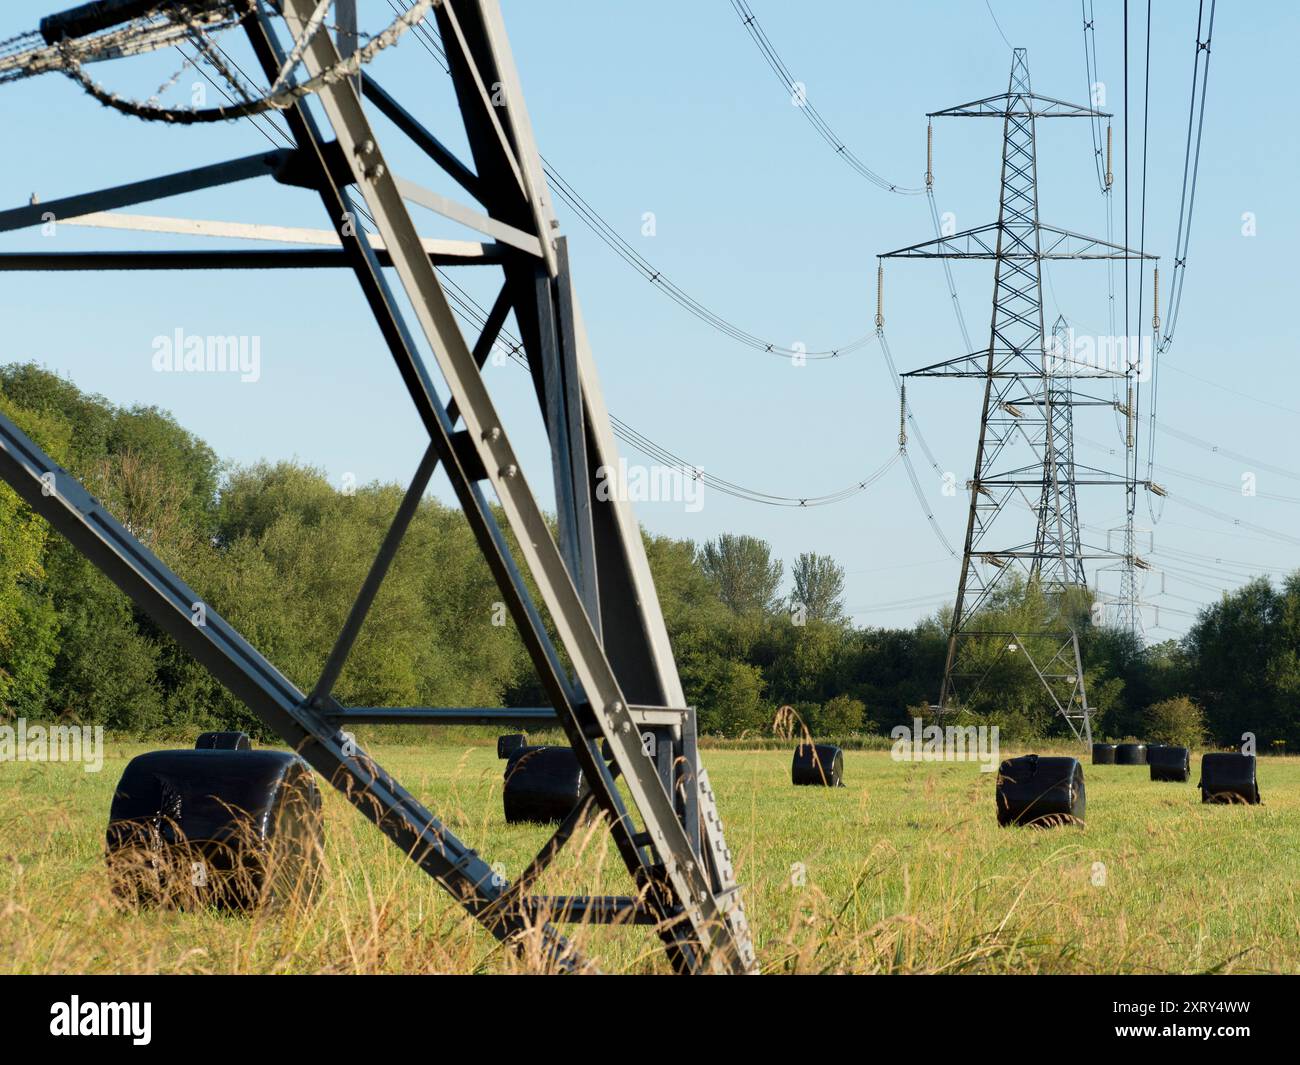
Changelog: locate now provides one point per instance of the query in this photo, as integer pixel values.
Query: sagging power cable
(608, 235)
(798, 94)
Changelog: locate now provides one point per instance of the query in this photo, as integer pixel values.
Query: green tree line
(280, 552)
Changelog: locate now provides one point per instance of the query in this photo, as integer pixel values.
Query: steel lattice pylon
(609, 670)
(1024, 512)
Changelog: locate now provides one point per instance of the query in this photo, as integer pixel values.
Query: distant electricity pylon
(1024, 511)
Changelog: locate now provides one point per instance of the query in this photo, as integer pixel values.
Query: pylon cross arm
(1018, 105)
(982, 242)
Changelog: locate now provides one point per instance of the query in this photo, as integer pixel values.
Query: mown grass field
(904, 870)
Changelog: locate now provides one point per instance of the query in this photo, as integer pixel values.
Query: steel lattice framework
(1024, 461)
(609, 670)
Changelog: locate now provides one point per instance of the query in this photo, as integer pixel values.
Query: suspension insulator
(1129, 405)
(929, 155)
(1110, 141)
(1155, 295)
(880, 296)
(902, 414)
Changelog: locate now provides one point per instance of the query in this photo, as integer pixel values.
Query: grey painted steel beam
(500, 716)
(423, 139)
(703, 938)
(214, 259)
(401, 521)
(632, 626)
(590, 909)
(203, 177)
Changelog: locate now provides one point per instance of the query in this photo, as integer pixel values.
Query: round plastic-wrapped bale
(1229, 777)
(818, 764)
(1033, 790)
(541, 784)
(509, 744)
(1170, 763)
(1103, 754)
(223, 741)
(1131, 754)
(236, 828)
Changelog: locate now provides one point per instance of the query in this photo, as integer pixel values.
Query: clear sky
(670, 108)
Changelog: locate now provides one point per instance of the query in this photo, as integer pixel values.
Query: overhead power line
(472, 311)
(1191, 167)
(798, 94)
(1235, 456)
(1226, 487)
(1233, 391)
(1186, 206)
(1090, 67)
(1263, 530)
(996, 23)
(625, 251)
(592, 219)
(652, 450)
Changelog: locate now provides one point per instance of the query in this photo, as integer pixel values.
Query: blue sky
(669, 108)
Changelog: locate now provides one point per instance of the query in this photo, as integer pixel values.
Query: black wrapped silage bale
(223, 741)
(1170, 763)
(817, 764)
(1034, 790)
(1131, 754)
(1103, 754)
(235, 828)
(1229, 777)
(542, 784)
(507, 745)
